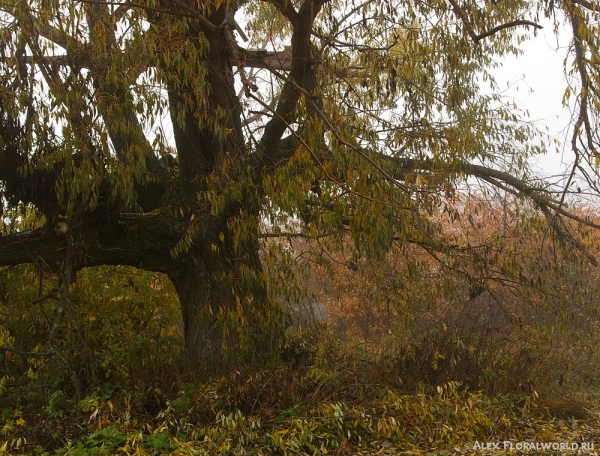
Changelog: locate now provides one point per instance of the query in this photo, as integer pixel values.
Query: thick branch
(286, 8)
(27, 354)
(592, 6)
(301, 80)
(143, 241)
(28, 246)
(179, 9)
(276, 61)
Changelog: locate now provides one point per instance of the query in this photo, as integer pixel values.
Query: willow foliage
(163, 134)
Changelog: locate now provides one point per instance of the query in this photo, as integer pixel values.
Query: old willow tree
(170, 134)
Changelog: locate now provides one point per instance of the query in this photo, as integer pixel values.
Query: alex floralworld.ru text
(534, 446)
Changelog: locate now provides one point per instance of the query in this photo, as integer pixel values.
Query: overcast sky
(541, 70)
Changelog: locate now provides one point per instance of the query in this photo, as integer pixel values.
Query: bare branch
(477, 38)
(463, 17)
(505, 26)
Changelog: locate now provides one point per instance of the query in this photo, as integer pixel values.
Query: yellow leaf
(20, 422)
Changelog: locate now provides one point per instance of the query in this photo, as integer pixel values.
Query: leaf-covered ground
(260, 414)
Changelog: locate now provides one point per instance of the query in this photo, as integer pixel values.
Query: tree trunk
(228, 318)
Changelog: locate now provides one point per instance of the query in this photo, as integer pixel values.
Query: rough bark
(226, 319)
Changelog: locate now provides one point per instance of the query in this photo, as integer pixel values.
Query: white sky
(537, 83)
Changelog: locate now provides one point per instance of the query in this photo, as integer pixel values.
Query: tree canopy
(179, 136)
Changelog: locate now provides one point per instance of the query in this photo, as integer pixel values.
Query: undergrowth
(437, 383)
(326, 400)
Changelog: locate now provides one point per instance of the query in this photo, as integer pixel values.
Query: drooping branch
(581, 60)
(495, 177)
(501, 179)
